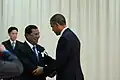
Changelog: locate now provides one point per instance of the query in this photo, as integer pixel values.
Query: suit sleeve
(10, 68)
(28, 65)
(50, 68)
(62, 53)
(48, 61)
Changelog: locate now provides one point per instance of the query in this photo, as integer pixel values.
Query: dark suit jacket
(30, 62)
(68, 57)
(11, 67)
(8, 46)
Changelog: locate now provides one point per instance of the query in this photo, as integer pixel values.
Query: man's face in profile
(55, 29)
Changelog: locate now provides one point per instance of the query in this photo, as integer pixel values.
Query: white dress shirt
(13, 43)
(31, 46)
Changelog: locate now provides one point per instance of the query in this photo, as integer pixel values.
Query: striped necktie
(13, 45)
(35, 52)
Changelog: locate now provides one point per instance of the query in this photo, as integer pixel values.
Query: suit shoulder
(70, 36)
(41, 48)
(69, 33)
(19, 42)
(5, 42)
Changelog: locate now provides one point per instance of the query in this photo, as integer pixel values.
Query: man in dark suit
(12, 44)
(33, 56)
(10, 66)
(68, 51)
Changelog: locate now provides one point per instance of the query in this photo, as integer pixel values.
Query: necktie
(35, 52)
(13, 44)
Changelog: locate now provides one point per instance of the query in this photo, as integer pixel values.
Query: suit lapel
(16, 45)
(30, 53)
(39, 52)
(41, 61)
(9, 46)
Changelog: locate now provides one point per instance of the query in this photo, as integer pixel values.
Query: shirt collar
(63, 31)
(12, 41)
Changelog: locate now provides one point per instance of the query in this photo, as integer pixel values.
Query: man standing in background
(12, 44)
(68, 50)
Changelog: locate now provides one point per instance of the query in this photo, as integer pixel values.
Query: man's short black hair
(57, 19)
(12, 28)
(29, 28)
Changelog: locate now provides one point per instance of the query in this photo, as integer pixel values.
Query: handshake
(38, 71)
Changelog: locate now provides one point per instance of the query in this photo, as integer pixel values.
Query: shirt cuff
(6, 52)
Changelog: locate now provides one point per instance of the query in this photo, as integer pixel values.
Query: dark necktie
(35, 52)
(13, 45)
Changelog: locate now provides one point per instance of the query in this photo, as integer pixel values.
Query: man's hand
(38, 71)
(2, 48)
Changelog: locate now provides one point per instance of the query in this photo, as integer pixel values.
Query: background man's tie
(13, 45)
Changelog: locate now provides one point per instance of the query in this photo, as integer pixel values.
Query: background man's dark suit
(9, 47)
(30, 62)
(68, 57)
